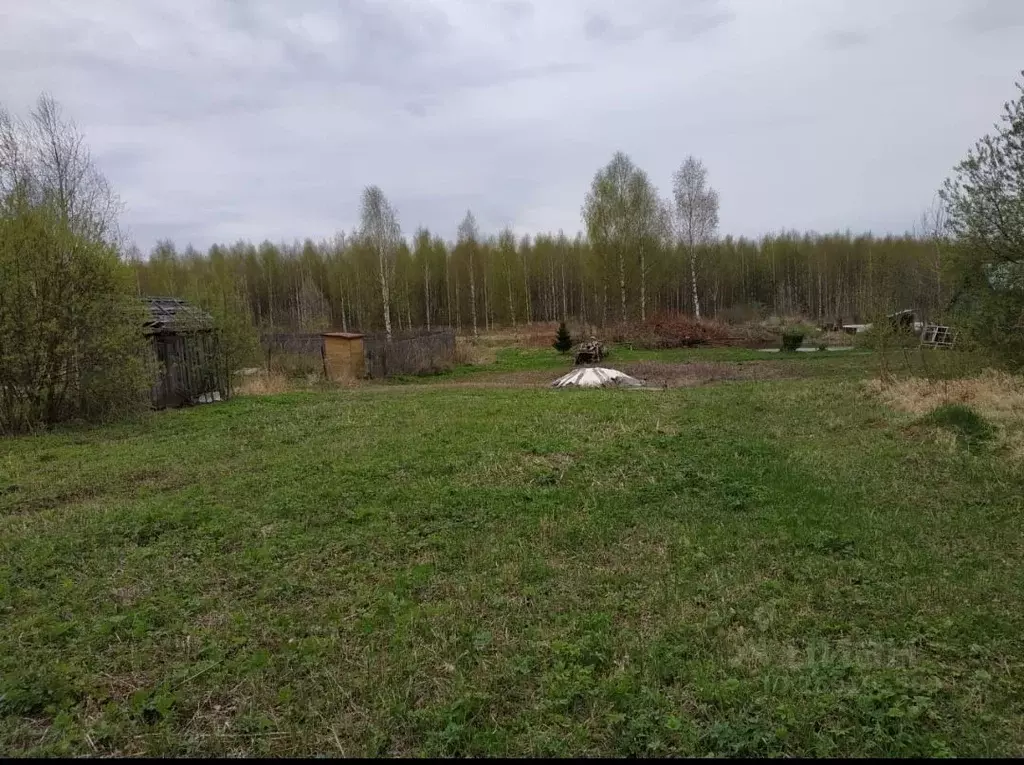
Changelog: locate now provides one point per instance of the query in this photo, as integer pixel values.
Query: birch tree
(507, 253)
(605, 215)
(468, 241)
(645, 229)
(622, 214)
(422, 254)
(696, 214)
(382, 234)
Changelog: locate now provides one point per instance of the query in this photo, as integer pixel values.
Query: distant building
(188, 353)
(343, 356)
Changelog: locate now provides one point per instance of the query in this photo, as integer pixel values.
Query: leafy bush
(791, 340)
(71, 343)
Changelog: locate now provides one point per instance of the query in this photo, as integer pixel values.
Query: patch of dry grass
(833, 339)
(264, 384)
(995, 395)
(474, 352)
(539, 334)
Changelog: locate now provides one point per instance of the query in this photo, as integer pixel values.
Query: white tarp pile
(596, 377)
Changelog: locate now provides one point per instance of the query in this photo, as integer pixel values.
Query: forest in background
(311, 286)
(641, 256)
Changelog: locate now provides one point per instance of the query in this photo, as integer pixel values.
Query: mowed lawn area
(768, 566)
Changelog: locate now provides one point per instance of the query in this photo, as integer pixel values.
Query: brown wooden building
(187, 350)
(343, 356)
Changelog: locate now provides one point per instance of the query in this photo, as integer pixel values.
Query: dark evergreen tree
(563, 340)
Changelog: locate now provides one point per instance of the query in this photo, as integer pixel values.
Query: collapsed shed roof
(172, 315)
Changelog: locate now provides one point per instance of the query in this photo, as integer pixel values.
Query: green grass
(539, 359)
(970, 428)
(771, 568)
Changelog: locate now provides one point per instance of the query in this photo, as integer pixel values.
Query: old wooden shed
(343, 356)
(187, 351)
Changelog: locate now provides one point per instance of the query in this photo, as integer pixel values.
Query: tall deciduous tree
(382, 233)
(469, 242)
(507, 254)
(605, 214)
(623, 217)
(696, 214)
(646, 236)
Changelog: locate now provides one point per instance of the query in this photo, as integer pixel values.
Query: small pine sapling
(563, 340)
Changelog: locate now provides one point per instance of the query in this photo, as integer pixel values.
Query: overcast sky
(263, 119)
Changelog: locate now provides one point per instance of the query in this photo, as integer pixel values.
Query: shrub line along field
(784, 564)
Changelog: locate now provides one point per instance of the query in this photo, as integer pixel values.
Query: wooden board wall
(343, 358)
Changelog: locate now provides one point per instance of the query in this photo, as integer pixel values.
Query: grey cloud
(841, 39)
(599, 27)
(218, 120)
(675, 21)
(516, 11)
(991, 15)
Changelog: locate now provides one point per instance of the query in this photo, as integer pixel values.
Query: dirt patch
(656, 374)
(668, 375)
(537, 378)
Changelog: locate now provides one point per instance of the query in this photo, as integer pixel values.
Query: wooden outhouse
(343, 356)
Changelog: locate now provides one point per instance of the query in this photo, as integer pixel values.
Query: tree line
(478, 282)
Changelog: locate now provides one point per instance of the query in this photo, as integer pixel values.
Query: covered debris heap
(596, 377)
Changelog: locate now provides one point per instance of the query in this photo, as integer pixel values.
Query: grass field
(763, 567)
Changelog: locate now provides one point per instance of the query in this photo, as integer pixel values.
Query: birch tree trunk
(472, 295)
(693, 281)
(426, 294)
(622, 283)
(385, 292)
(643, 285)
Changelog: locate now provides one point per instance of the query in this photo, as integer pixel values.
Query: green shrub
(71, 343)
(563, 340)
(970, 428)
(791, 340)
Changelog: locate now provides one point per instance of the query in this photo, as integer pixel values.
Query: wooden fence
(409, 353)
(414, 352)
